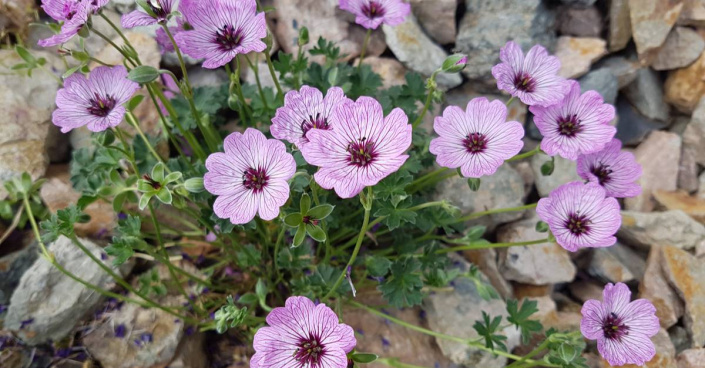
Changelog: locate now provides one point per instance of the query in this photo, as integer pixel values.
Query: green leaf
(172, 177)
(300, 235)
(121, 251)
(248, 256)
(403, 288)
(488, 328)
(158, 172)
(474, 184)
(541, 227)
(305, 203)
(394, 216)
(320, 212)
(378, 266)
(229, 316)
(364, 358)
(316, 232)
(70, 72)
(143, 74)
(520, 317)
(134, 102)
(25, 55)
(164, 196)
(144, 201)
(293, 219)
(394, 185)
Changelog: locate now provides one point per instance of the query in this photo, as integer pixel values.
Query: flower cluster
(73, 13)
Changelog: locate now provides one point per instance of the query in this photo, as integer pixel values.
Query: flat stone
(488, 25)
(688, 170)
(655, 287)
(538, 264)
(617, 263)
(418, 52)
(579, 22)
(486, 261)
(437, 18)
(392, 71)
(58, 193)
(14, 265)
(686, 86)
(50, 303)
(603, 81)
(682, 47)
(701, 186)
(693, 13)
(632, 127)
(577, 54)
(377, 336)
(658, 156)
(686, 274)
(691, 358)
(619, 25)
(676, 228)
(564, 172)
(448, 312)
(694, 134)
(692, 205)
(651, 21)
(504, 189)
(27, 104)
(584, 290)
(624, 69)
(646, 94)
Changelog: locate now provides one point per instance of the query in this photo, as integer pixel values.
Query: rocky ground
(645, 56)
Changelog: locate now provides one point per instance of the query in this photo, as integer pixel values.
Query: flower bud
(454, 63)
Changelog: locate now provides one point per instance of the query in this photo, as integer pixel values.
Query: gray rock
(488, 25)
(658, 156)
(632, 127)
(12, 267)
(564, 172)
(651, 21)
(202, 77)
(26, 104)
(504, 189)
(584, 290)
(682, 47)
(539, 264)
(620, 26)
(665, 351)
(625, 70)
(437, 18)
(676, 228)
(646, 94)
(448, 312)
(687, 275)
(50, 303)
(579, 22)
(680, 338)
(691, 358)
(603, 81)
(694, 135)
(579, 2)
(617, 263)
(418, 52)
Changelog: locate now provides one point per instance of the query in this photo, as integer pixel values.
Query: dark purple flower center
(158, 9)
(228, 38)
(314, 122)
(475, 143)
(524, 82)
(310, 351)
(362, 152)
(602, 172)
(577, 224)
(569, 125)
(309, 220)
(614, 328)
(255, 179)
(101, 105)
(373, 10)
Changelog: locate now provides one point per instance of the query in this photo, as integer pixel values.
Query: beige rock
(693, 13)
(392, 72)
(701, 186)
(437, 18)
(486, 261)
(692, 358)
(655, 287)
(694, 134)
(586, 290)
(620, 26)
(685, 87)
(617, 263)
(681, 48)
(658, 156)
(676, 228)
(651, 21)
(687, 275)
(693, 206)
(578, 53)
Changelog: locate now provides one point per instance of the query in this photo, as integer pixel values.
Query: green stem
(165, 128)
(255, 69)
(190, 138)
(114, 45)
(280, 93)
(280, 238)
(238, 91)
(360, 238)
(490, 246)
(122, 35)
(426, 106)
(133, 121)
(540, 348)
(524, 155)
(128, 151)
(509, 102)
(395, 363)
(364, 48)
(492, 212)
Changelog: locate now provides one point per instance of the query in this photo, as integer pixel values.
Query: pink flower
(95, 101)
(579, 124)
(623, 329)
(74, 15)
(302, 334)
(580, 216)
(64, 10)
(371, 13)
(617, 171)
(160, 8)
(222, 29)
(477, 140)
(362, 149)
(250, 177)
(305, 110)
(163, 39)
(533, 79)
